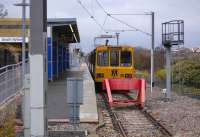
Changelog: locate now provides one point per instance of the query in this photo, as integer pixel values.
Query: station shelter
(61, 32)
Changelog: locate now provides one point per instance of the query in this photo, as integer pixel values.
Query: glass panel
(102, 58)
(126, 58)
(114, 58)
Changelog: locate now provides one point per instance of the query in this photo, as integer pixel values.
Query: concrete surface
(56, 97)
(89, 109)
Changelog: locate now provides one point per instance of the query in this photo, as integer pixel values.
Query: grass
(8, 127)
(182, 89)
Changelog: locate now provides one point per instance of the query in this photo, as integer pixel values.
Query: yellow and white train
(111, 62)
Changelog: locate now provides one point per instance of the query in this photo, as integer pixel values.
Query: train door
(102, 63)
(114, 62)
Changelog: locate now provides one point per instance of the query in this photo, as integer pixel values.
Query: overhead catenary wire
(115, 30)
(130, 14)
(104, 24)
(136, 29)
(99, 4)
(111, 15)
(125, 23)
(91, 16)
(119, 30)
(105, 20)
(121, 21)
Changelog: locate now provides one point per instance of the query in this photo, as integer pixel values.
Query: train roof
(112, 46)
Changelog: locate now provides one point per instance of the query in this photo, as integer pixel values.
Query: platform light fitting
(71, 28)
(75, 37)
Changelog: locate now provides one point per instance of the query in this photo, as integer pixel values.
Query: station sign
(12, 39)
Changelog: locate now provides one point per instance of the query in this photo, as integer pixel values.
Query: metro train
(111, 62)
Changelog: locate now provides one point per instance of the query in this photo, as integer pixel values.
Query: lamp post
(23, 5)
(26, 97)
(152, 51)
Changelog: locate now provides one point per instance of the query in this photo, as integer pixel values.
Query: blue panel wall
(55, 60)
(50, 68)
(66, 58)
(60, 59)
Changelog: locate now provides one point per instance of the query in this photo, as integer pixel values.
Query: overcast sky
(165, 10)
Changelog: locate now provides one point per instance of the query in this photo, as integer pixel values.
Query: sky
(165, 10)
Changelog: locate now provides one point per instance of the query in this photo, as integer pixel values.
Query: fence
(11, 81)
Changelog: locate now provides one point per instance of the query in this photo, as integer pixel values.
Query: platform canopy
(65, 28)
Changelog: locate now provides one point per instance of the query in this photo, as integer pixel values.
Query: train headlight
(99, 75)
(128, 75)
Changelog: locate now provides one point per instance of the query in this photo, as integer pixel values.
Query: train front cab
(113, 62)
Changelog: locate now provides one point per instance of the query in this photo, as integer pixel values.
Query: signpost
(13, 39)
(74, 100)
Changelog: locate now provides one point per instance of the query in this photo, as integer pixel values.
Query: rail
(118, 124)
(11, 80)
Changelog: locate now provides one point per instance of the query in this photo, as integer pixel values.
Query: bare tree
(3, 11)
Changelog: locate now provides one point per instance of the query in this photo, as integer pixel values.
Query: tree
(187, 71)
(3, 11)
(142, 58)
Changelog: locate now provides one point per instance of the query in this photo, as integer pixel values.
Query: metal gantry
(172, 34)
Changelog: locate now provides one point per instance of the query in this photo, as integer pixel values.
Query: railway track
(133, 122)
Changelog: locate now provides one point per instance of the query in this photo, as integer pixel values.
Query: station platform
(56, 97)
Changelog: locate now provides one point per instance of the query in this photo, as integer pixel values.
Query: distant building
(196, 50)
(11, 41)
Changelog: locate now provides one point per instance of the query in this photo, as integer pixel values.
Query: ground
(180, 115)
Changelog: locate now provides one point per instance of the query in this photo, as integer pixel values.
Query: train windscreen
(126, 59)
(102, 59)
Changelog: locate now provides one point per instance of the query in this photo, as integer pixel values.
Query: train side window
(126, 58)
(114, 58)
(102, 58)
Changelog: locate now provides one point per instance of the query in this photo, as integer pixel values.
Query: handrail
(11, 65)
(11, 80)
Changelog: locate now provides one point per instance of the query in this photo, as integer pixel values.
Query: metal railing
(11, 80)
